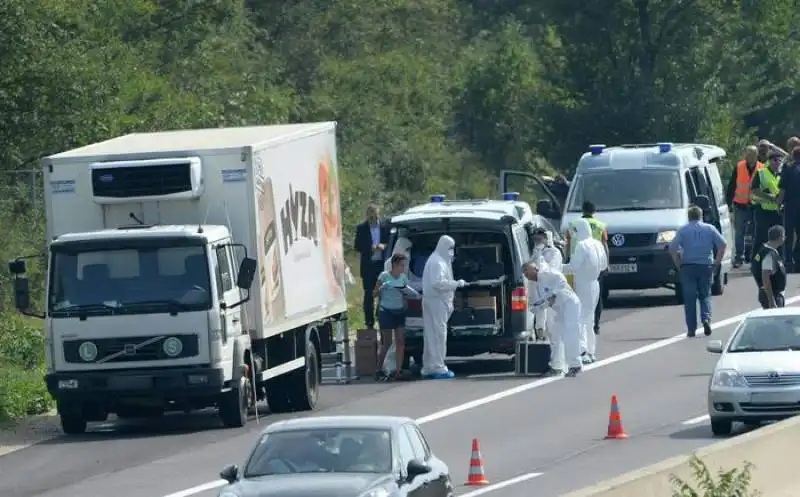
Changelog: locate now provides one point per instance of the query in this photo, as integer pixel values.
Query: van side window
(224, 275)
(522, 242)
(716, 184)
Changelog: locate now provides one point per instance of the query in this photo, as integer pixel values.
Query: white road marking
(466, 406)
(697, 420)
(501, 484)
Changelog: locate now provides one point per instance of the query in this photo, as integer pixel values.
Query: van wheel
(73, 423)
(234, 404)
(718, 285)
(721, 427)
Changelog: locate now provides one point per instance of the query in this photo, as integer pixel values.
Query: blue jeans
(696, 283)
(741, 216)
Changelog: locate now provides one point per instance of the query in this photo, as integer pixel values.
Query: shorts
(390, 319)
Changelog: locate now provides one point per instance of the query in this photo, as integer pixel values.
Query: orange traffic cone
(615, 429)
(476, 475)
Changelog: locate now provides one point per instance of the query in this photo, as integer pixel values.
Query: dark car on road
(340, 456)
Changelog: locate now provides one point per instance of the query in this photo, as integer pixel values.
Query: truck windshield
(131, 280)
(627, 189)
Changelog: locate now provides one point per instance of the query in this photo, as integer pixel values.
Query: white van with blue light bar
(493, 240)
(641, 192)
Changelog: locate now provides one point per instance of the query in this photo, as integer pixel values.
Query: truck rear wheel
(234, 404)
(297, 390)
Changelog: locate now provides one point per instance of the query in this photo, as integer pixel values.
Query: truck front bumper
(112, 385)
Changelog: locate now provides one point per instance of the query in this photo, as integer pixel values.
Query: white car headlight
(666, 236)
(172, 346)
(87, 351)
(728, 378)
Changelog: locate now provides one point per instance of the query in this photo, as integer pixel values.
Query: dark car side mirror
(416, 468)
(230, 473)
(247, 272)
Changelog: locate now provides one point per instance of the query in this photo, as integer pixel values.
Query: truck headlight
(666, 236)
(728, 378)
(87, 351)
(172, 346)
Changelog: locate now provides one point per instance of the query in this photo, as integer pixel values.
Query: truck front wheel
(234, 404)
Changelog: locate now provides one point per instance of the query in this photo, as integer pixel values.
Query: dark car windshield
(627, 189)
(339, 450)
(134, 279)
(767, 333)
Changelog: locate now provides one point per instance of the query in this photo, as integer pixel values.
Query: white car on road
(757, 377)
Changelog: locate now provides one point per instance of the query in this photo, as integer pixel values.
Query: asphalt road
(546, 436)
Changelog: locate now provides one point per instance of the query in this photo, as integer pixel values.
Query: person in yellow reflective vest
(599, 233)
(765, 199)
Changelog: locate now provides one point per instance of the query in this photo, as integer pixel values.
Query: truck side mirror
(247, 273)
(17, 266)
(22, 294)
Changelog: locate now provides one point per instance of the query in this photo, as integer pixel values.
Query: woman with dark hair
(391, 290)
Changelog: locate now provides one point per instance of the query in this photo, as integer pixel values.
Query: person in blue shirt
(697, 249)
(391, 290)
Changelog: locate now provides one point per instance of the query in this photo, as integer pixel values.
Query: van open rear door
(534, 191)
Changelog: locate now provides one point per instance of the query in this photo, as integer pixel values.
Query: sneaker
(573, 372)
(706, 328)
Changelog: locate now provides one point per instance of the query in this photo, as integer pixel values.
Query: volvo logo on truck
(298, 218)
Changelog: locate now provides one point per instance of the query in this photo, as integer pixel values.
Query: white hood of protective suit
(548, 253)
(589, 258)
(402, 246)
(437, 278)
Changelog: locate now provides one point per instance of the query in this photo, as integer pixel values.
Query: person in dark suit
(371, 238)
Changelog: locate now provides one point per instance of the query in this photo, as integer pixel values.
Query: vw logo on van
(618, 240)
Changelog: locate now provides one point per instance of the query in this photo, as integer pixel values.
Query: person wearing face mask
(544, 317)
(586, 263)
(555, 294)
(438, 290)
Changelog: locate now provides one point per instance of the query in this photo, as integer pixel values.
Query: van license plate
(623, 268)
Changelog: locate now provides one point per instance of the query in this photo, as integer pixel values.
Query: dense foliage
(731, 483)
(430, 95)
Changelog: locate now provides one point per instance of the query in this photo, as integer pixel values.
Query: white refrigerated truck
(190, 269)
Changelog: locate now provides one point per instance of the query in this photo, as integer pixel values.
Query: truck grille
(631, 240)
(130, 349)
(144, 181)
(765, 380)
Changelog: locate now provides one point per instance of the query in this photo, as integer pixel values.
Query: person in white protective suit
(544, 318)
(586, 263)
(438, 290)
(558, 296)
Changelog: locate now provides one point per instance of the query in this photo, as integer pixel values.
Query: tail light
(519, 299)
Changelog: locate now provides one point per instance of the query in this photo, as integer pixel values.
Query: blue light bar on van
(596, 149)
(513, 196)
(664, 147)
(437, 199)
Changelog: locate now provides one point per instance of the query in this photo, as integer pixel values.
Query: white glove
(461, 283)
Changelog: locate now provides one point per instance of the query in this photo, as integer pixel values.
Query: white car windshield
(767, 333)
(88, 278)
(332, 450)
(627, 189)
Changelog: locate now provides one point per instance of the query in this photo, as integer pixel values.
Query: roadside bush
(731, 483)
(22, 387)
